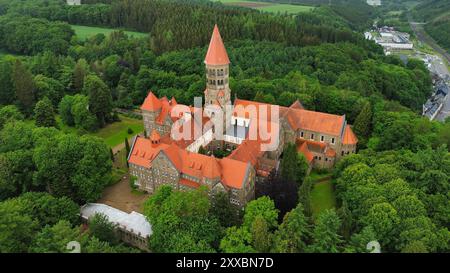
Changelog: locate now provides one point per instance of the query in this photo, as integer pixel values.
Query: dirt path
(119, 196)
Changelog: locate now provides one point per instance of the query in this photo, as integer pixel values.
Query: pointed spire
(151, 103)
(217, 54)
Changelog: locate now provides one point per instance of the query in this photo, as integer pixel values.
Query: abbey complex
(161, 157)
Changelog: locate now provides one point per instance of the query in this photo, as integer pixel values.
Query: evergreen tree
(325, 235)
(362, 125)
(7, 95)
(293, 164)
(127, 146)
(127, 149)
(100, 101)
(23, 86)
(304, 196)
(347, 222)
(112, 154)
(293, 233)
(44, 113)
(79, 73)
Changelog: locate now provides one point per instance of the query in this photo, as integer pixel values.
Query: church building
(160, 158)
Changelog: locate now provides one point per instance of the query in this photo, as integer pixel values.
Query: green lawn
(115, 133)
(322, 197)
(282, 8)
(268, 6)
(84, 32)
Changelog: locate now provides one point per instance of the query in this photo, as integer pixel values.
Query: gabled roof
(143, 152)
(349, 137)
(151, 103)
(303, 148)
(234, 172)
(297, 105)
(297, 118)
(217, 54)
(247, 152)
(316, 121)
(229, 171)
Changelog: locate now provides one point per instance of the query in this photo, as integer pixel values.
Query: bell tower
(217, 72)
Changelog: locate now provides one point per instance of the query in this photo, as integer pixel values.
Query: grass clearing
(115, 133)
(268, 6)
(322, 197)
(85, 32)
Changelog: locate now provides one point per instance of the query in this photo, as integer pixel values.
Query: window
(342, 153)
(326, 159)
(332, 140)
(320, 158)
(322, 138)
(301, 134)
(312, 136)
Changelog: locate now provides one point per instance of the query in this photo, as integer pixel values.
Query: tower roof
(151, 103)
(217, 54)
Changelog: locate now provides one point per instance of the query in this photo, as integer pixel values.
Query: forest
(395, 190)
(436, 15)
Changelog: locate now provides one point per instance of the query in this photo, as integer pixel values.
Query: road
(438, 65)
(427, 39)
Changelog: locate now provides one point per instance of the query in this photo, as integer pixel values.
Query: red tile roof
(349, 137)
(189, 183)
(330, 152)
(303, 148)
(144, 152)
(298, 118)
(217, 54)
(316, 121)
(247, 152)
(229, 171)
(151, 103)
(297, 105)
(233, 172)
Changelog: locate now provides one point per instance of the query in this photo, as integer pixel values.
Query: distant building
(132, 227)
(390, 39)
(374, 2)
(435, 103)
(159, 159)
(73, 2)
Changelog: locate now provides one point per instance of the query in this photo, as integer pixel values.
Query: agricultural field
(268, 7)
(84, 32)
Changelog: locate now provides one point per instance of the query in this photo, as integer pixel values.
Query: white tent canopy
(133, 222)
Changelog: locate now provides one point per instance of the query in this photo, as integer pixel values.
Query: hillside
(436, 13)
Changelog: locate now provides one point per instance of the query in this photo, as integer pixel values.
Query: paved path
(119, 196)
(427, 39)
